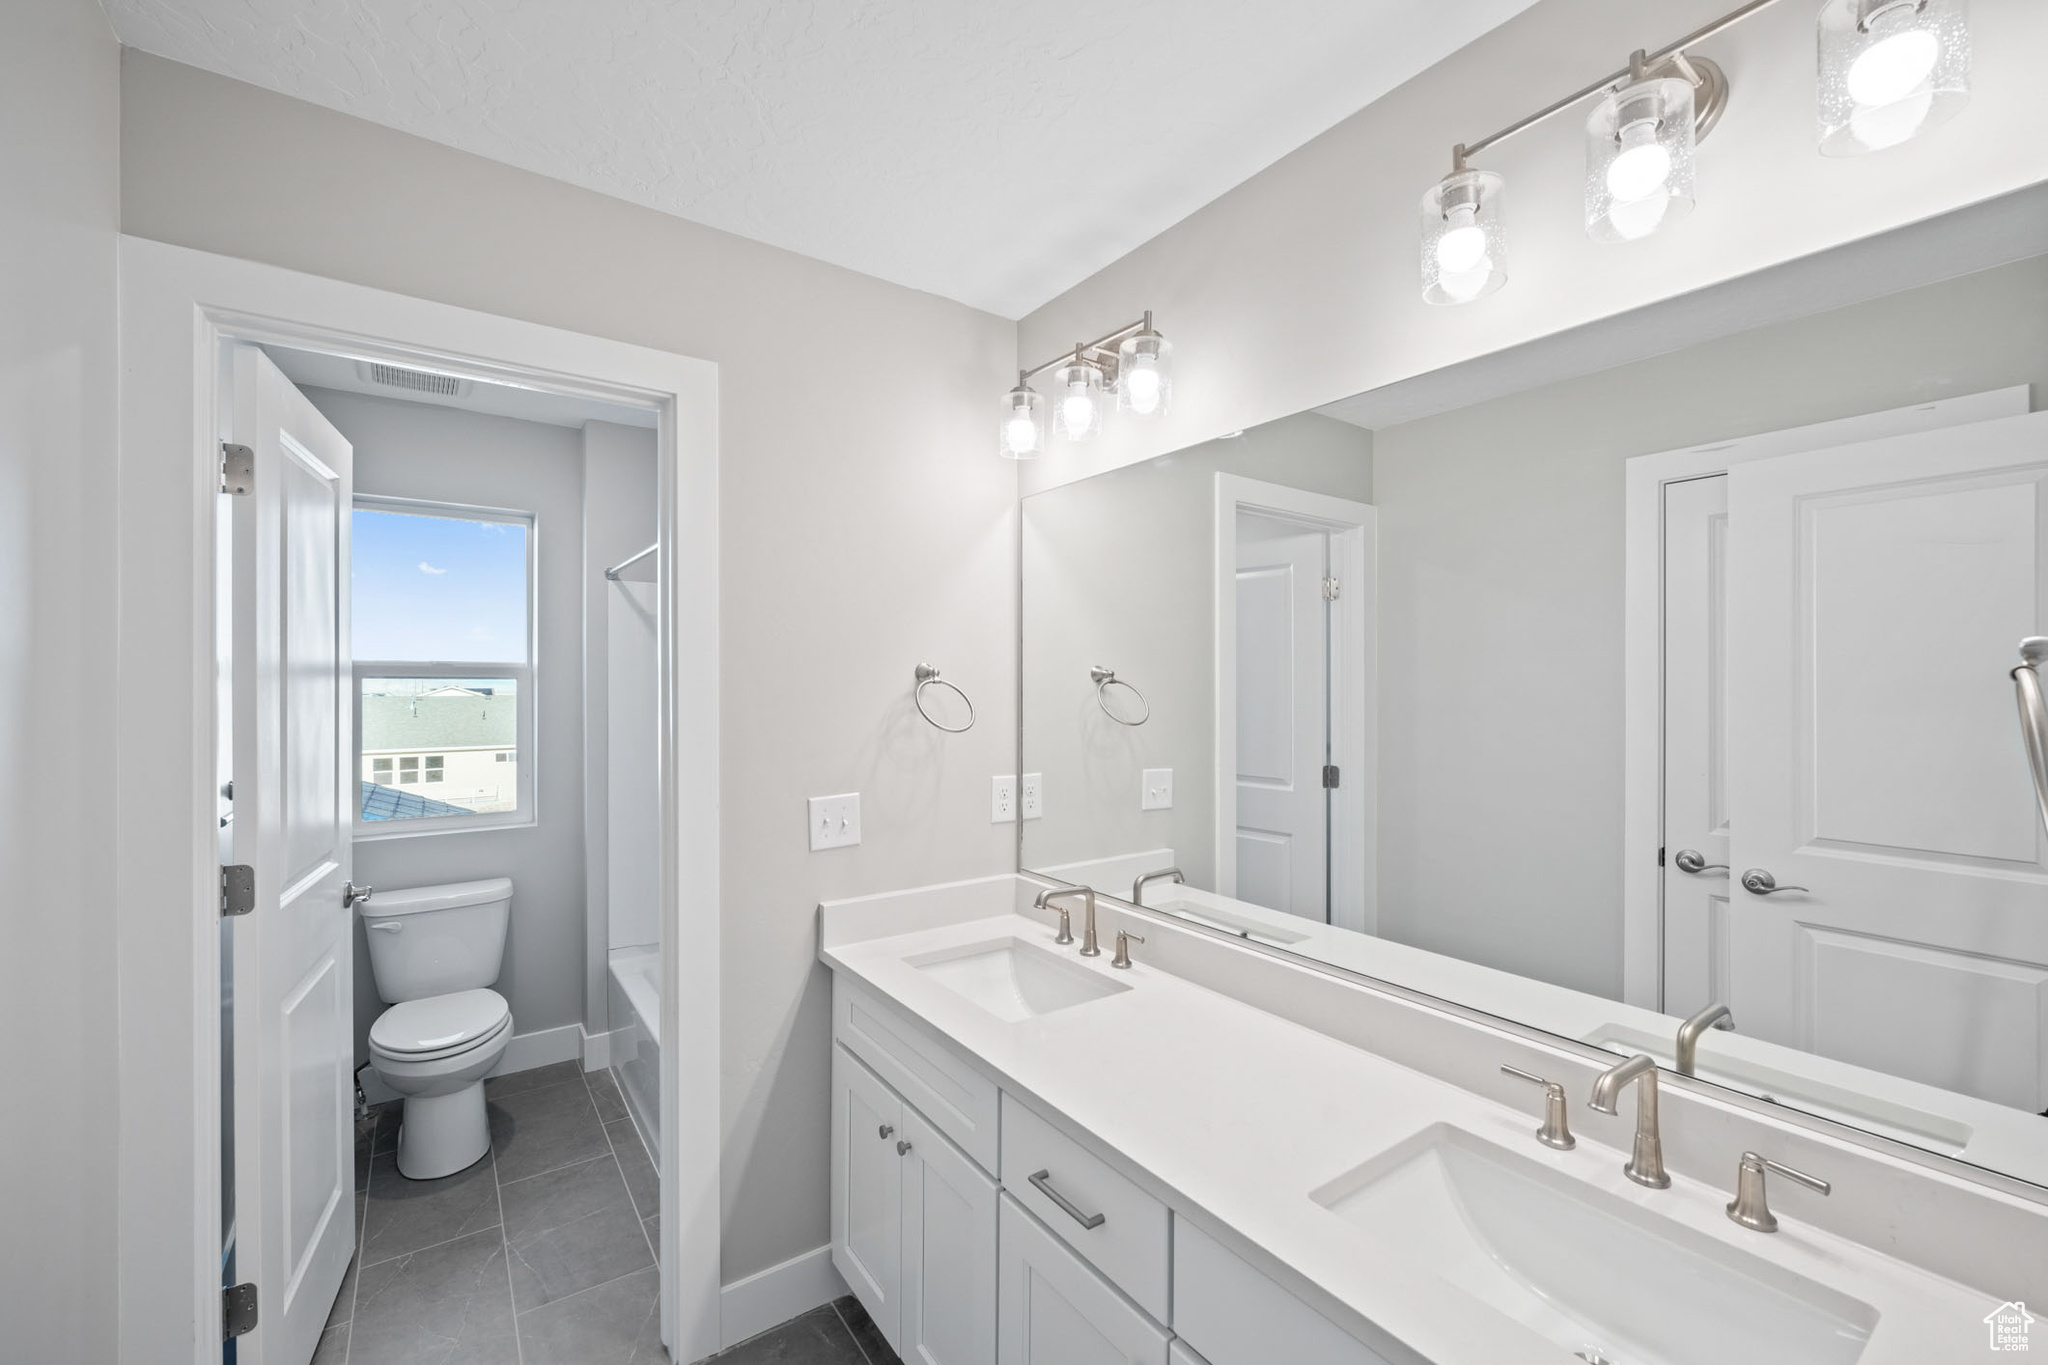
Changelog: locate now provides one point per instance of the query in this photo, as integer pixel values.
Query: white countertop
(1232, 1116)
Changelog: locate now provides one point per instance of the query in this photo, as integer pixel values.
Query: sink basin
(1714, 1063)
(1015, 980)
(1589, 1271)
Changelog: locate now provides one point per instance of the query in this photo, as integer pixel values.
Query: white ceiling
(991, 151)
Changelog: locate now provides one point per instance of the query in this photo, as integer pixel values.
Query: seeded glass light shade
(1890, 70)
(1021, 433)
(1077, 400)
(1464, 239)
(1144, 381)
(1640, 164)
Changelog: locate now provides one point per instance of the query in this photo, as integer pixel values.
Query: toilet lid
(439, 1023)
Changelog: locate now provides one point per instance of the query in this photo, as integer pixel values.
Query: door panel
(867, 1190)
(1056, 1310)
(949, 1253)
(1876, 593)
(1695, 737)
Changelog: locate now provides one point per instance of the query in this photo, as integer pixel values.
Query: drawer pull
(886, 1129)
(1042, 1182)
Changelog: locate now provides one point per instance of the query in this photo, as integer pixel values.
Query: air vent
(413, 381)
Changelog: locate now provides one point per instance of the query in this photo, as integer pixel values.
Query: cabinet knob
(885, 1130)
(902, 1148)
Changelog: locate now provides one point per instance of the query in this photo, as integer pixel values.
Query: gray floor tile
(538, 1130)
(604, 1092)
(570, 1230)
(405, 1215)
(816, 1338)
(345, 1297)
(333, 1346)
(866, 1335)
(446, 1305)
(540, 1077)
(652, 1227)
(641, 1178)
(384, 1122)
(614, 1324)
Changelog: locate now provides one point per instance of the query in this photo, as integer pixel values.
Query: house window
(442, 630)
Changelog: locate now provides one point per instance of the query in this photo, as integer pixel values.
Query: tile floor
(542, 1253)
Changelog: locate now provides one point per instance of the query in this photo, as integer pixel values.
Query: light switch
(1158, 789)
(1034, 796)
(835, 821)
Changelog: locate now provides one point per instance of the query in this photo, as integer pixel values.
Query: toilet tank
(430, 940)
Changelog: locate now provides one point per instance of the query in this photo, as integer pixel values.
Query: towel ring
(1104, 677)
(928, 676)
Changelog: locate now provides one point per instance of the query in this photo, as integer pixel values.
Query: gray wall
(862, 528)
(1501, 602)
(1120, 570)
(417, 450)
(58, 995)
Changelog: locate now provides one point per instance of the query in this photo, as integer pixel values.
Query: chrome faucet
(1646, 1163)
(1138, 886)
(1089, 947)
(1713, 1016)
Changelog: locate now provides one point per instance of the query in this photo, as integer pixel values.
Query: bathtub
(636, 1036)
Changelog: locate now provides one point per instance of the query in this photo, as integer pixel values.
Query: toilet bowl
(435, 951)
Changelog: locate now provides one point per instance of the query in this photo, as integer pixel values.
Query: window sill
(375, 832)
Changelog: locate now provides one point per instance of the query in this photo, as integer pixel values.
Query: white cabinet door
(867, 1191)
(1056, 1310)
(949, 1252)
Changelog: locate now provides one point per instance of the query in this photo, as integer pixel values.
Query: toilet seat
(440, 1026)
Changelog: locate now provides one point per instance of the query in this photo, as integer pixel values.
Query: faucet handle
(1066, 934)
(1124, 939)
(1557, 1128)
(1750, 1207)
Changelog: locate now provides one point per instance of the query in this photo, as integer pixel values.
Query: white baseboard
(771, 1297)
(524, 1052)
(597, 1051)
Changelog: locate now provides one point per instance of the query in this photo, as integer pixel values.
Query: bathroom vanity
(1216, 1155)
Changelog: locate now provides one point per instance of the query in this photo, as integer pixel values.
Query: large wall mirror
(1657, 672)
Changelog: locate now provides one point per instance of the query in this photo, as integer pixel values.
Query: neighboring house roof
(389, 803)
(461, 720)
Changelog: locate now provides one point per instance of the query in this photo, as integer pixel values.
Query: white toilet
(434, 950)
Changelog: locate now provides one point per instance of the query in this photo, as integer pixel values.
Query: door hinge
(237, 1311)
(1660, 856)
(237, 889)
(1332, 589)
(237, 468)
(1329, 776)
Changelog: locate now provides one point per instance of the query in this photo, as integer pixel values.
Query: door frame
(179, 309)
(1353, 528)
(1642, 930)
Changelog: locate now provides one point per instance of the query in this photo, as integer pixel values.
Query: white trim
(597, 1051)
(177, 308)
(1642, 882)
(1354, 687)
(768, 1298)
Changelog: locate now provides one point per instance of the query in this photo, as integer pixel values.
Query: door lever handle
(353, 895)
(1758, 882)
(1693, 861)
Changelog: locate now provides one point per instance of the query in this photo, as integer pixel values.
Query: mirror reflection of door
(1283, 715)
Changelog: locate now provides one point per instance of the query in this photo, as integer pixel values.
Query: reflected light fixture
(1890, 70)
(1134, 363)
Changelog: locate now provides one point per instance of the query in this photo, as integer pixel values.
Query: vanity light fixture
(1640, 141)
(1890, 70)
(1134, 364)
(1464, 239)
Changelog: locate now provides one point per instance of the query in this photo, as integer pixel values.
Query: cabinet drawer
(1234, 1315)
(957, 1100)
(1054, 1310)
(1129, 1239)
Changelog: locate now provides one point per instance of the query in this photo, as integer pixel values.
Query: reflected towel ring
(1103, 678)
(928, 676)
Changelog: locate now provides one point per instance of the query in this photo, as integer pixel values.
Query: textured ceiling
(993, 151)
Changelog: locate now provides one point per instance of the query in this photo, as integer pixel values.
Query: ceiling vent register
(413, 381)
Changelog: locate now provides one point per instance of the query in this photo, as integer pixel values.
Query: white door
(867, 1191)
(294, 801)
(1283, 716)
(1695, 726)
(1056, 1310)
(1875, 597)
(949, 1252)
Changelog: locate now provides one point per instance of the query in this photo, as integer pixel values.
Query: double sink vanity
(1216, 1155)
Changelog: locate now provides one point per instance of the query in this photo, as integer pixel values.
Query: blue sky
(428, 588)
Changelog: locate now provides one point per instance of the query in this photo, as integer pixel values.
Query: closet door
(949, 1252)
(867, 1190)
(1056, 1310)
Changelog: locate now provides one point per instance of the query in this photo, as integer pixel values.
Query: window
(441, 630)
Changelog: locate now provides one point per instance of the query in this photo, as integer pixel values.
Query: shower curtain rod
(613, 572)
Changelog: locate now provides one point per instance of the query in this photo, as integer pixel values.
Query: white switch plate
(1034, 796)
(1158, 789)
(835, 821)
(1002, 799)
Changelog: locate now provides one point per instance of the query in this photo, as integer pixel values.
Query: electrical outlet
(1002, 799)
(1158, 793)
(835, 821)
(1034, 795)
